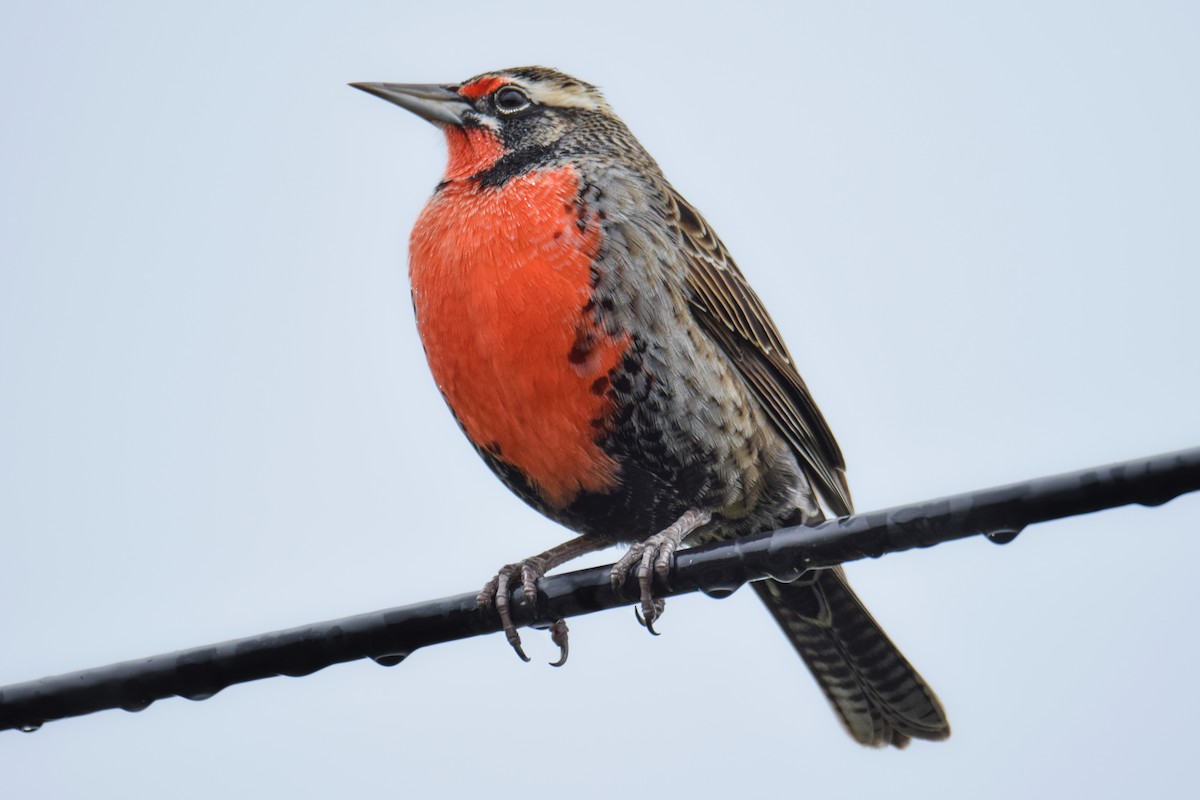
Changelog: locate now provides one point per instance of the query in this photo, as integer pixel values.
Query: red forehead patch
(477, 89)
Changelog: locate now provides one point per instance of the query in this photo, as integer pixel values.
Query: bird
(607, 358)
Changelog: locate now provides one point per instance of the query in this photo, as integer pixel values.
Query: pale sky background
(976, 227)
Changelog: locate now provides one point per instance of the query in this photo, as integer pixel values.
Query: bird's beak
(438, 104)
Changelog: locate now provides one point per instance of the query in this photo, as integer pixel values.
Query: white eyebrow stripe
(564, 98)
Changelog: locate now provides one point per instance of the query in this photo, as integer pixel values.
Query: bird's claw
(514, 639)
(496, 592)
(648, 624)
(655, 556)
(558, 635)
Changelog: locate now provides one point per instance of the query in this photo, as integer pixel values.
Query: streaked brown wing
(734, 316)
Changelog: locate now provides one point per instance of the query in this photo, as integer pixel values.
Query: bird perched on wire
(608, 360)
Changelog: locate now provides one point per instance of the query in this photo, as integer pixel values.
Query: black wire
(389, 636)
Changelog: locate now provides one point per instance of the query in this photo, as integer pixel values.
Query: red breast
(501, 280)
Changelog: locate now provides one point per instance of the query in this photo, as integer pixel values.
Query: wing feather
(734, 316)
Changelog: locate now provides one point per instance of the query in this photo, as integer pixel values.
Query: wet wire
(391, 635)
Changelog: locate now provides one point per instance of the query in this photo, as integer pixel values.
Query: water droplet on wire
(720, 590)
(389, 659)
(1003, 535)
(134, 706)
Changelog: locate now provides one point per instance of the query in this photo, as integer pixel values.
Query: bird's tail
(876, 693)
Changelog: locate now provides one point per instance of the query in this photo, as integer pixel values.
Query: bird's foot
(558, 635)
(496, 593)
(655, 556)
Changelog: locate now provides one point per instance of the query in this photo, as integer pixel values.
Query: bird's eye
(510, 100)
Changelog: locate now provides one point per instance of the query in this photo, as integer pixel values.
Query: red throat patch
(501, 281)
(472, 151)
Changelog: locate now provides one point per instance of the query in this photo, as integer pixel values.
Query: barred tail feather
(875, 692)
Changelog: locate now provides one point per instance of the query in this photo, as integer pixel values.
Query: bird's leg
(655, 556)
(496, 591)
